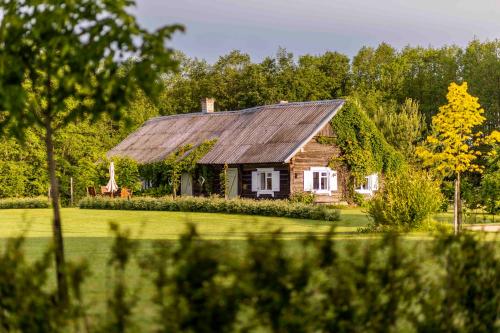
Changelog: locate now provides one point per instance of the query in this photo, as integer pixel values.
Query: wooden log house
(271, 151)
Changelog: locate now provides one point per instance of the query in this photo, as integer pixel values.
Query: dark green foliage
(216, 205)
(17, 203)
(490, 185)
(236, 83)
(481, 70)
(22, 167)
(372, 289)
(275, 285)
(196, 291)
(388, 284)
(406, 200)
(364, 149)
(420, 73)
(465, 296)
(401, 124)
(27, 298)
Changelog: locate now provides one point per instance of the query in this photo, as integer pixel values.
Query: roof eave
(323, 123)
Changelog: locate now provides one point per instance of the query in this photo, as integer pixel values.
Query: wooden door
(232, 182)
(186, 184)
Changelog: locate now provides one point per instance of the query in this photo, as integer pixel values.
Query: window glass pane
(324, 181)
(262, 181)
(315, 180)
(269, 182)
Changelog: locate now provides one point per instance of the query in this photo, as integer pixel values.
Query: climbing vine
(165, 175)
(223, 181)
(364, 149)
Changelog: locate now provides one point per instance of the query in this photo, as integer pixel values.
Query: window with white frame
(265, 181)
(369, 185)
(320, 180)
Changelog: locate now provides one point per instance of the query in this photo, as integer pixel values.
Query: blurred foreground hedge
(279, 208)
(196, 285)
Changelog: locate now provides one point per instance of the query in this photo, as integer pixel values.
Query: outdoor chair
(125, 193)
(91, 191)
(104, 191)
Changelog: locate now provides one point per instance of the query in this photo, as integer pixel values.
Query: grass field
(79, 223)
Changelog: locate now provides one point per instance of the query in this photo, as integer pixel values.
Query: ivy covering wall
(165, 175)
(364, 149)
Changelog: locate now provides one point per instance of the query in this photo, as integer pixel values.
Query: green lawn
(78, 223)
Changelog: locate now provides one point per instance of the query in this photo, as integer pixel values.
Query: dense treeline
(422, 74)
(80, 153)
(399, 90)
(266, 285)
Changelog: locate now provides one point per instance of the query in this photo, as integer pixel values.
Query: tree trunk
(62, 285)
(459, 204)
(457, 207)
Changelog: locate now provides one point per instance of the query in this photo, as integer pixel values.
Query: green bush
(280, 208)
(406, 200)
(490, 191)
(302, 197)
(359, 199)
(15, 203)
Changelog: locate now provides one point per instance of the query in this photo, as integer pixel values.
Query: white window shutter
(308, 180)
(374, 182)
(276, 181)
(333, 180)
(255, 181)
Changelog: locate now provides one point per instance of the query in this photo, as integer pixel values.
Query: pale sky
(259, 27)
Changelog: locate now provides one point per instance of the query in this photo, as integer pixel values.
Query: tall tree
(453, 145)
(428, 73)
(481, 68)
(402, 125)
(380, 69)
(62, 61)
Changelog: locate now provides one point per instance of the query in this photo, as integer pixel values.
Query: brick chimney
(207, 105)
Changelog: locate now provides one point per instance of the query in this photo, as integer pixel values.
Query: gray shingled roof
(264, 134)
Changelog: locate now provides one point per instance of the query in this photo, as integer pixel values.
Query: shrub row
(13, 203)
(279, 208)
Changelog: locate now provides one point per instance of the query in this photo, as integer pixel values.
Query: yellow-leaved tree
(452, 148)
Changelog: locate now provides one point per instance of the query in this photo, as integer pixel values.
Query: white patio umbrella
(112, 186)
